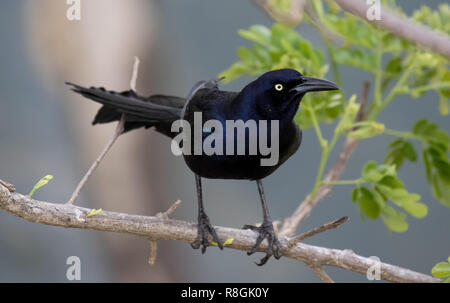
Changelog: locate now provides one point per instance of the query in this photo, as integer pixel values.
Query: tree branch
(161, 228)
(435, 41)
(117, 132)
(323, 276)
(402, 27)
(297, 239)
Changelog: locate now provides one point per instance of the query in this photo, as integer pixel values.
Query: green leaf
(257, 33)
(416, 209)
(441, 191)
(393, 69)
(441, 270)
(398, 195)
(445, 93)
(355, 194)
(357, 57)
(235, 71)
(443, 104)
(381, 201)
(372, 173)
(368, 204)
(436, 160)
(420, 126)
(276, 48)
(246, 55)
(400, 149)
(396, 224)
(430, 132)
(40, 183)
(394, 220)
(391, 181)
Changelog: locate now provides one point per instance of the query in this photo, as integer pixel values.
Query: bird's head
(278, 93)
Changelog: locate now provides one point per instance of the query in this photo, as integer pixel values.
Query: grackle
(274, 96)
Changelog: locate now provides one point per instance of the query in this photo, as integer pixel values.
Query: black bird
(274, 96)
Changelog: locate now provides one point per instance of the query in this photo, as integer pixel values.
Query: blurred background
(45, 129)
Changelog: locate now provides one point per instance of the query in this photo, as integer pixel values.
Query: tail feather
(157, 110)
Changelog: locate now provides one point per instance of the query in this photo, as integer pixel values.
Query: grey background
(197, 40)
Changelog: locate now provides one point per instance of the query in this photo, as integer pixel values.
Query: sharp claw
(195, 245)
(203, 248)
(257, 244)
(205, 228)
(263, 260)
(216, 237)
(274, 247)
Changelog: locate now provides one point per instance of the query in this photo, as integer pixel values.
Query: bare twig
(153, 243)
(323, 276)
(10, 187)
(153, 252)
(168, 213)
(134, 76)
(402, 27)
(331, 225)
(304, 209)
(157, 228)
(118, 131)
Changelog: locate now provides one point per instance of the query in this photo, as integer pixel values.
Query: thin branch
(117, 132)
(168, 213)
(10, 187)
(135, 73)
(153, 252)
(153, 243)
(158, 228)
(323, 276)
(332, 225)
(304, 209)
(402, 27)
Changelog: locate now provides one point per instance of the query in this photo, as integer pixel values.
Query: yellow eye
(279, 87)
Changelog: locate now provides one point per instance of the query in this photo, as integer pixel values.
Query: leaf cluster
(386, 186)
(435, 155)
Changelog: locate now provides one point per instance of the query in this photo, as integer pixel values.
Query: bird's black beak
(310, 84)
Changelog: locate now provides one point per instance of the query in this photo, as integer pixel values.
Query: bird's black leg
(265, 230)
(204, 226)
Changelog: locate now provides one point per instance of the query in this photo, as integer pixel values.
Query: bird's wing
(204, 84)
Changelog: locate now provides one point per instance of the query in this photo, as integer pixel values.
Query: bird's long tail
(157, 110)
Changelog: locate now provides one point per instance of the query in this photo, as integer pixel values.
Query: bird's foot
(205, 228)
(274, 248)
